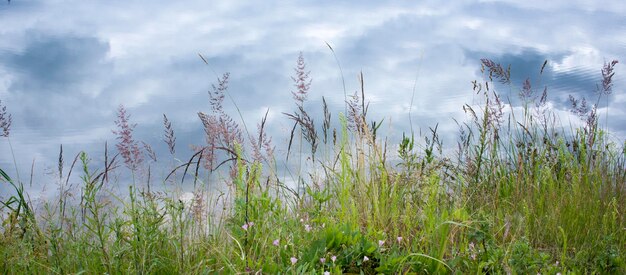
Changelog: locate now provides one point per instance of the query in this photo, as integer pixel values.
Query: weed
(520, 194)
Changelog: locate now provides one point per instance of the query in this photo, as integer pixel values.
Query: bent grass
(522, 197)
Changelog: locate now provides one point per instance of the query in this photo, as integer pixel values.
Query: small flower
(333, 258)
(326, 273)
(472, 250)
(322, 260)
(399, 239)
(276, 242)
(365, 259)
(294, 260)
(381, 242)
(307, 228)
(245, 226)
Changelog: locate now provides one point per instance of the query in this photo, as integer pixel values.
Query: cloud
(56, 64)
(56, 77)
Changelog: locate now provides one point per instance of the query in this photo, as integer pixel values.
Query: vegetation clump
(518, 194)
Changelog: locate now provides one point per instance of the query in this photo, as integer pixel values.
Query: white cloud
(580, 57)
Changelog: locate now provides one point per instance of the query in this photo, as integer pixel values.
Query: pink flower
(326, 273)
(294, 260)
(276, 242)
(399, 239)
(307, 228)
(333, 258)
(245, 226)
(381, 242)
(365, 259)
(322, 260)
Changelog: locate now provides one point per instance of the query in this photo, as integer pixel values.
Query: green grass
(519, 195)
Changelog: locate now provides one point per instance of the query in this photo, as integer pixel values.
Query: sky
(65, 66)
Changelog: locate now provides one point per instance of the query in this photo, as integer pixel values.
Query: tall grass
(520, 194)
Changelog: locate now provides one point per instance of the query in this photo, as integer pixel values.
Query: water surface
(66, 66)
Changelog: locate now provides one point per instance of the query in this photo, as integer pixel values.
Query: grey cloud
(55, 80)
(56, 63)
